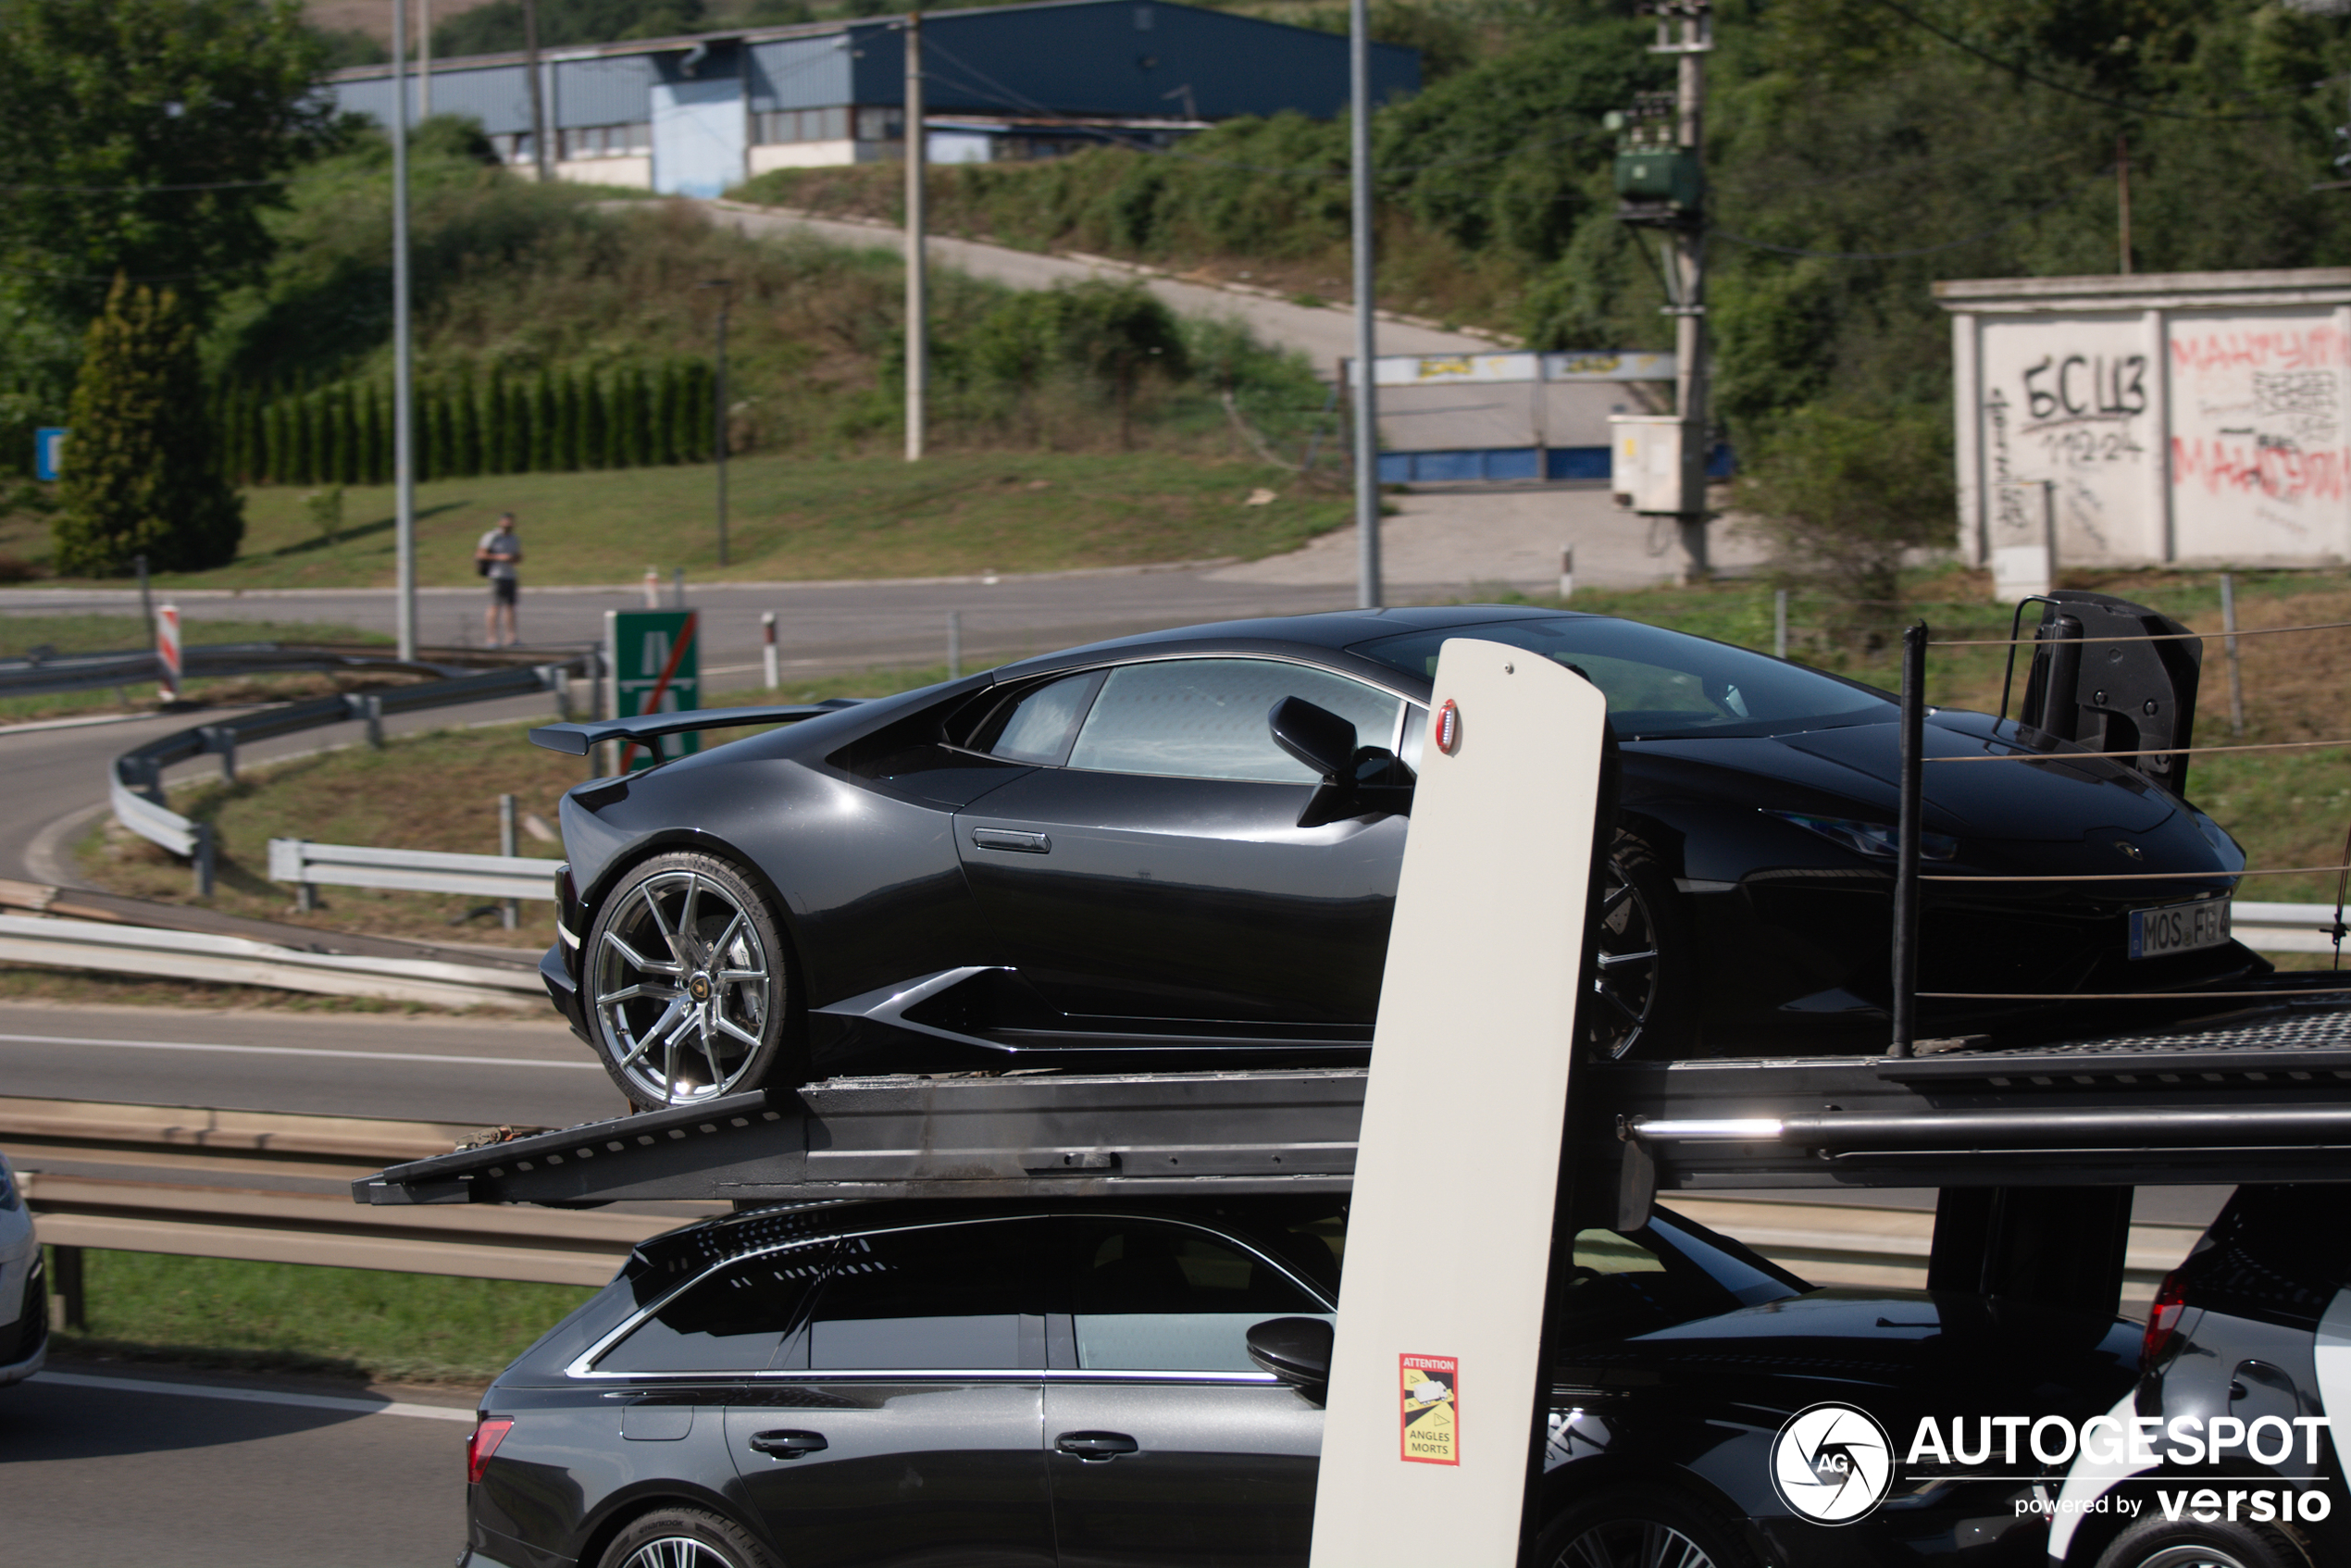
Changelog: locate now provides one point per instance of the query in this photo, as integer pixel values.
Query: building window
(881, 125)
(632, 139)
(771, 127)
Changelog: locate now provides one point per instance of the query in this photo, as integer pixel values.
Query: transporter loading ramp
(2264, 1095)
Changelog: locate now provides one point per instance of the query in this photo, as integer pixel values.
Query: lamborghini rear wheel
(687, 983)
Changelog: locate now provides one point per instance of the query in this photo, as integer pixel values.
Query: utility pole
(1696, 30)
(1358, 59)
(539, 152)
(2122, 196)
(1661, 176)
(718, 433)
(403, 446)
(917, 303)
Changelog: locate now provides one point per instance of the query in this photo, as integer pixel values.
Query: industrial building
(692, 115)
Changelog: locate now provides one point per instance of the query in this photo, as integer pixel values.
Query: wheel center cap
(699, 988)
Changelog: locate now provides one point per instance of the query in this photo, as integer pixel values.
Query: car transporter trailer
(2035, 1149)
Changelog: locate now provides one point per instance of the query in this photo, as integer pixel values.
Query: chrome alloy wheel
(677, 1551)
(1632, 1543)
(1625, 989)
(682, 984)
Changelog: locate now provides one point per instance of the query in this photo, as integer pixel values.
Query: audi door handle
(788, 1445)
(1009, 839)
(1096, 1447)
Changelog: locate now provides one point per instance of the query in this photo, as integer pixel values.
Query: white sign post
(1436, 1369)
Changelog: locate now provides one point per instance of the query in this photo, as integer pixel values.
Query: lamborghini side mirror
(1316, 736)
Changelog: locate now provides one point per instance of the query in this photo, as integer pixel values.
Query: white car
(24, 1290)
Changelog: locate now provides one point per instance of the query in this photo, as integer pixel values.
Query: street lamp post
(718, 405)
(404, 468)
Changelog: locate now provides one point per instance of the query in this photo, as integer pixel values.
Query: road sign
(48, 451)
(655, 659)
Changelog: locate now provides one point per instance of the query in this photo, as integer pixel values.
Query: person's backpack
(481, 562)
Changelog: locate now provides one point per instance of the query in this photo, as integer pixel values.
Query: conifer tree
(469, 462)
(546, 439)
(566, 423)
(595, 423)
(339, 437)
(663, 425)
(140, 476)
(372, 441)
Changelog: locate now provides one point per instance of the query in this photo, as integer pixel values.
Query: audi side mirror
(1316, 736)
(1295, 1350)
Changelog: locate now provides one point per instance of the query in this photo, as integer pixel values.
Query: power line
(2016, 68)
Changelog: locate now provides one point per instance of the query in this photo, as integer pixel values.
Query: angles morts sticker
(1432, 1416)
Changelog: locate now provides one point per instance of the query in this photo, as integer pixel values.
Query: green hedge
(553, 422)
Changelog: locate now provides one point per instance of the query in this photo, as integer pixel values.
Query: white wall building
(2165, 418)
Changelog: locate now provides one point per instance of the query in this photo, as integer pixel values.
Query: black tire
(2184, 1543)
(685, 1538)
(687, 983)
(1640, 1528)
(1644, 1001)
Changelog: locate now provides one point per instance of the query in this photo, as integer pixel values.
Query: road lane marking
(255, 1396)
(302, 1050)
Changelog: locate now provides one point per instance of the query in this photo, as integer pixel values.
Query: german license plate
(2179, 928)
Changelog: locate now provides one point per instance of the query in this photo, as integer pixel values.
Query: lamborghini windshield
(1661, 684)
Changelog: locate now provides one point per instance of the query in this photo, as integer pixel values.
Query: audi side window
(1036, 726)
(733, 1320)
(1151, 1297)
(1205, 718)
(943, 1298)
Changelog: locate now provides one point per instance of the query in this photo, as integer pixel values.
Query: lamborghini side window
(1037, 725)
(1205, 718)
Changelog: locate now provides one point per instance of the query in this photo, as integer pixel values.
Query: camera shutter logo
(1831, 1464)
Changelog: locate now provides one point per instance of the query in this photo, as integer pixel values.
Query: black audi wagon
(1138, 1385)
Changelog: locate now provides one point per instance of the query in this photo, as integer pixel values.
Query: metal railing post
(955, 644)
(1779, 623)
(767, 649)
(510, 910)
(1905, 876)
(68, 1294)
(375, 721)
(2236, 678)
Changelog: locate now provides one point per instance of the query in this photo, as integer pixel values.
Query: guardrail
(44, 675)
(2285, 927)
(275, 1188)
(223, 960)
(134, 781)
(423, 871)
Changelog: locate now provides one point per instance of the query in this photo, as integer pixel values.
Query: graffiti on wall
(2070, 405)
(2258, 414)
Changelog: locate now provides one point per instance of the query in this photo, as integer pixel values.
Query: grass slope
(794, 518)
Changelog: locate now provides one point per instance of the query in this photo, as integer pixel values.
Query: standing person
(495, 557)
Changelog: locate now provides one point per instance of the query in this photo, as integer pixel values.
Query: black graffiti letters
(2086, 387)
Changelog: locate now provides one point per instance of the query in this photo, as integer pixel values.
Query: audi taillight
(482, 1444)
(2162, 1318)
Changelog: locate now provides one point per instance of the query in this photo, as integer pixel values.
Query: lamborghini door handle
(1095, 1447)
(787, 1445)
(1011, 838)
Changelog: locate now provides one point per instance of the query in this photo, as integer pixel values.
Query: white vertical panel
(1967, 442)
(1463, 1123)
(2258, 447)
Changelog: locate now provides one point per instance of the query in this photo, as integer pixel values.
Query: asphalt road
(520, 1072)
(181, 1470)
(820, 627)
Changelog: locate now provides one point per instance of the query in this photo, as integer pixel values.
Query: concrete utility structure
(2157, 418)
(691, 116)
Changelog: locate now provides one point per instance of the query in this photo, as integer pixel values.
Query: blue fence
(1504, 464)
